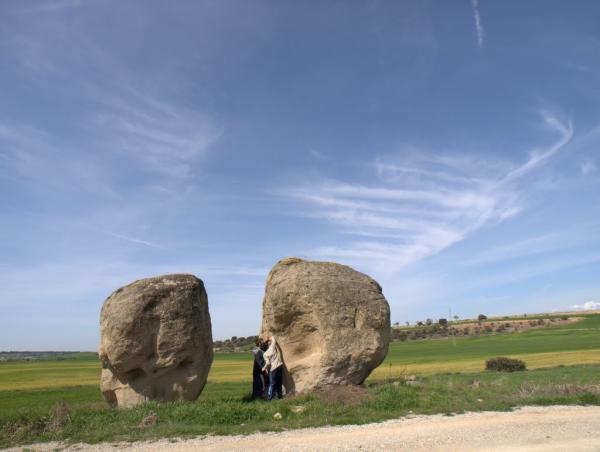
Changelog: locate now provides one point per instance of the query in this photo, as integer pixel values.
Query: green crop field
(29, 390)
(576, 343)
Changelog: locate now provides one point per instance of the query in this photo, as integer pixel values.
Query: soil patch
(345, 394)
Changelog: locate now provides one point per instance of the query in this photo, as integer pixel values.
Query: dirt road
(557, 428)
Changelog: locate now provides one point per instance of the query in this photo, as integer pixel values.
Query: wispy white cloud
(478, 26)
(131, 239)
(121, 112)
(528, 270)
(588, 167)
(563, 239)
(387, 169)
(48, 6)
(578, 66)
(422, 207)
(75, 288)
(30, 154)
(165, 138)
(318, 154)
(539, 157)
(236, 270)
(587, 306)
(521, 248)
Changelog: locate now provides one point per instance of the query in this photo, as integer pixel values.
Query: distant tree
(481, 317)
(407, 323)
(455, 317)
(419, 323)
(428, 321)
(396, 324)
(443, 322)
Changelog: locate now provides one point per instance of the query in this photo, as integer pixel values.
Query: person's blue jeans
(275, 383)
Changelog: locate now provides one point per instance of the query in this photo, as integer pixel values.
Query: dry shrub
(568, 389)
(149, 421)
(59, 417)
(563, 389)
(528, 389)
(503, 364)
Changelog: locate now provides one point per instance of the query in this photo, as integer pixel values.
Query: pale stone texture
(155, 341)
(331, 322)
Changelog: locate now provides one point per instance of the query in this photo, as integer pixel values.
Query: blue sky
(449, 149)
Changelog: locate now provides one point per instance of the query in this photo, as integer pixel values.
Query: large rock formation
(155, 341)
(332, 323)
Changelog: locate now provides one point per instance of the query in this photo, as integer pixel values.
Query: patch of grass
(44, 374)
(533, 360)
(37, 402)
(84, 371)
(551, 339)
(576, 343)
(29, 391)
(589, 321)
(224, 408)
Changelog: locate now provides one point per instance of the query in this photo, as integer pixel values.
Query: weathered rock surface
(332, 323)
(155, 341)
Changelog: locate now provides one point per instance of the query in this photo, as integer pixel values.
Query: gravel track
(556, 428)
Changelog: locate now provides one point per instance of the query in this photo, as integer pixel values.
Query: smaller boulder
(155, 341)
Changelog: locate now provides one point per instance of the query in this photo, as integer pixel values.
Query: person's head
(264, 345)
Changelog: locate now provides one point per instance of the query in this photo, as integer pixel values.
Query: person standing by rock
(259, 377)
(274, 364)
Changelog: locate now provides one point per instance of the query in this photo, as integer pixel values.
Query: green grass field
(446, 368)
(576, 343)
